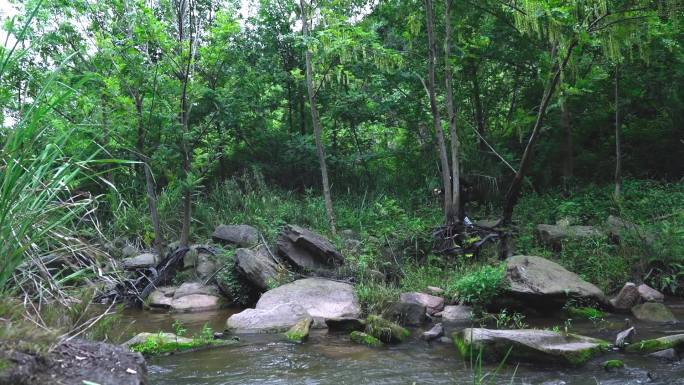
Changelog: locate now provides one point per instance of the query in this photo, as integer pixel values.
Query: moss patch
(613, 364)
(155, 346)
(654, 345)
(4, 365)
(585, 313)
(365, 339)
(386, 331)
(300, 331)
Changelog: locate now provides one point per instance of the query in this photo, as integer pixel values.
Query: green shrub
(479, 286)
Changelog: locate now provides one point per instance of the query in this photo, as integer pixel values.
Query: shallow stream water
(332, 360)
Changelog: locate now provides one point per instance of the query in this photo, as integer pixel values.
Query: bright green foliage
(585, 313)
(478, 286)
(365, 339)
(613, 364)
(159, 345)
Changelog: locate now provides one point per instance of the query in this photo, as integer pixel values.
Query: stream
(330, 359)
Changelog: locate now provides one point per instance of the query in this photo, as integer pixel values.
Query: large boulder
(653, 312)
(432, 303)
(553, 235)
(406, 313)
(189, 297)
(284, 306)
(256, 266)
(189, 288)
(196, 302)
(141, 261)
(649, 294)
(627, 298)
(272, 320)
(305, 249)
(237, 235)
(542, 283)
(543, 346)
(161, 297)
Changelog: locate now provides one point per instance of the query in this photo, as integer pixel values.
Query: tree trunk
(568, 150)
(154, 214)
(479, 109)
(457, 215)
(184, 118)
(618, 146)
(316, 125)
(436, 120)
(513, 192)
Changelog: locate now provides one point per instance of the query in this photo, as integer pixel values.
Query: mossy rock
(613, 364)
(585, 313)
(365, 339)
(151, 344)
(386, 331)
(675, 342)
(528, 345)
(300, 331)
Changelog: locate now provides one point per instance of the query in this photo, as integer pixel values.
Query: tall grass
(36, 204)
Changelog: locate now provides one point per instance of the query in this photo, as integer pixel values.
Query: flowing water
(332, 360)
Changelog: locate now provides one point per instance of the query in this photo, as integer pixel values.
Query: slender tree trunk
(316, 125)
(618, 146)
(457, 215)
(513, 193)
(568, 146)
(154, 214)
(479, 109)
(184, 117)
(436, 120)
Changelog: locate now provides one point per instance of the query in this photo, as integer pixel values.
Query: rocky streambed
(331, 358)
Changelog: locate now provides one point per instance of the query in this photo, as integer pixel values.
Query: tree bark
(568, 145)
(184, 117)
(436, 120)
(316, 124)
(480, 119)
(618, 146)
(457, 215)
(154, 214)
(513, 193)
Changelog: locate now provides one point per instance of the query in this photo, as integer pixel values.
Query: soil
(74, 362)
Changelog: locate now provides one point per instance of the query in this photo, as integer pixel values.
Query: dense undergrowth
(395, 234)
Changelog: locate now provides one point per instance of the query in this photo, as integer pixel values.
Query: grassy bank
(395, 234)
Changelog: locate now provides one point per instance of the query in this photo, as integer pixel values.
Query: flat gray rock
(432, 303)
(196, 302)
(543, 283)
(238, 235)
(527, 345)
(305, 249)
(434, 333)
(553, 235)
(273, 320)
(457, 313)
(140, 261)
(190, 288)
(283, 306)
